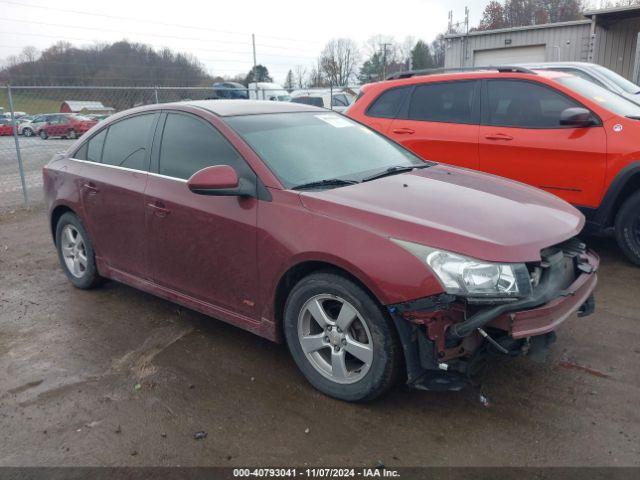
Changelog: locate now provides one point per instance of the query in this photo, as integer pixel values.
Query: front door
(521, 138)
(199, 245)
(114, 179)
(441, 123)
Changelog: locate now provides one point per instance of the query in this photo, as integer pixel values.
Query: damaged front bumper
(446, 338)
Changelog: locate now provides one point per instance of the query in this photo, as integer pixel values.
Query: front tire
(72, 135)
(75, 252)
(27, 132)
(340, 338)
(627, 228)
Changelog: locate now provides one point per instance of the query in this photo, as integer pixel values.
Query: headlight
(465, 276)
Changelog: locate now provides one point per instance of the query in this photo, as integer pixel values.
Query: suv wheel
(43, 135)
(628, 228)
(75, 252)
(340, 338)
(27, 132)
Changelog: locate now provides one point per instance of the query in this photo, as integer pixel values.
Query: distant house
(81, 106)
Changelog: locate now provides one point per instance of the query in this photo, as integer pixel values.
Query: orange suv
(552, 130)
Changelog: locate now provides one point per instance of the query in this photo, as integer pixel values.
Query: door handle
(159, 209)
(499, 136)
(403, 131)
(91, 188)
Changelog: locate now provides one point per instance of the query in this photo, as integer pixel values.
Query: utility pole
(384, 60)
(253, 41)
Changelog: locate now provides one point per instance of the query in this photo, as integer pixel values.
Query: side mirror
(221, 180)
(577, 117)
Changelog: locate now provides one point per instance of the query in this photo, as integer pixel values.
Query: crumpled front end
(447, 338)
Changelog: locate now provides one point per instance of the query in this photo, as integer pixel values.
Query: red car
(299, 224)
(5, 127)
(552, 130)
(66, 126)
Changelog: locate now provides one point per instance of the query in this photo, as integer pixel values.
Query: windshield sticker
(335, 120)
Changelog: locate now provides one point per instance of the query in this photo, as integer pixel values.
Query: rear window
(450, 102)
(388, 104)
(126, 143)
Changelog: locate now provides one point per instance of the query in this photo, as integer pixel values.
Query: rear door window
(515, 103)
(127, 142)
(449, 102)
(189, 144)
(389, 103)
(91, 150)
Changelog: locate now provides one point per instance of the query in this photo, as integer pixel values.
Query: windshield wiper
(395, 170)
(328, 182)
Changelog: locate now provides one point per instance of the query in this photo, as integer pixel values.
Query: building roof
(614, 12)
(80, 105)
(227, 108)
(518, 29)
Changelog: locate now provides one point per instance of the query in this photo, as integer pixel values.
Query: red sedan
(66, 126)
(304, 226)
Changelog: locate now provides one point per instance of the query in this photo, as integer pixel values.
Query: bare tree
(338, 61)
(29, 54)
(300, 75)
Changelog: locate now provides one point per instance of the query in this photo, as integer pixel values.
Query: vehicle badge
(617, 128)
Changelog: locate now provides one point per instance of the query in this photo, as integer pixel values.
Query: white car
(268, 91)
(596, 74)
(336, 99)
(29, 129)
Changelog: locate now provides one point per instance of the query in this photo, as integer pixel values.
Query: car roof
(228, 108)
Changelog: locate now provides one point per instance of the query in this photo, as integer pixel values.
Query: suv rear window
(388, 104)
(450, 102)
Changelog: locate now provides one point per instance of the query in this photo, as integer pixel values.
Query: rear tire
(627, 228)
(72, 135)
(76, 253)
(357, 362)
(27, 132)
(43, 135)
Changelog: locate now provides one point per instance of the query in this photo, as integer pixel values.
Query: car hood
(467, 212)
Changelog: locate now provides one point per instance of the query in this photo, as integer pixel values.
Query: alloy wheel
(335, 338)
(74, 251)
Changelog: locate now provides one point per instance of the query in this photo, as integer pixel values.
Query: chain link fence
(31, 131)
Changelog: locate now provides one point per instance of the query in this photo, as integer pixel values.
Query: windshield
(603, 97)
(307, 147)
(619, 80)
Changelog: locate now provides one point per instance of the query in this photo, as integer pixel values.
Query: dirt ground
(117, 377)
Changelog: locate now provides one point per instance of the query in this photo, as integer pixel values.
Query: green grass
(32, 103)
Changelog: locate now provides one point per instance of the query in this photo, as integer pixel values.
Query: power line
(140, 20)
(172, 37)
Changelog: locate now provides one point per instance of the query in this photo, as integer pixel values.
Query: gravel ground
(118, 377)
(35, 154)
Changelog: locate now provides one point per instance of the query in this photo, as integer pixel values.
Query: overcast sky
(218, 33)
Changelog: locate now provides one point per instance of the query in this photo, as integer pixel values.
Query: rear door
(521, 138)
(115, 176)
(441, 122)
(384, 109)
(199, 245)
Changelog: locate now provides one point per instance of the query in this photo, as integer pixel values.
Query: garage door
(506, 56)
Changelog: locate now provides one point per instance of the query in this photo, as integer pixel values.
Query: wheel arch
(303, 269)
(622, 187)
(56, 213)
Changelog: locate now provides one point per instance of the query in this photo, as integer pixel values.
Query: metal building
(609, 37)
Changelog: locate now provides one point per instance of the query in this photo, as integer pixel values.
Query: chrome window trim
(126, 169)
